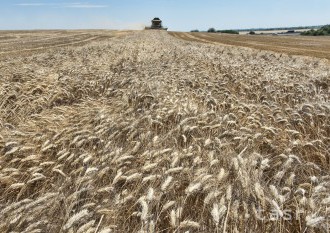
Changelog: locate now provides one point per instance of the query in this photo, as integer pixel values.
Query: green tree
(228, 31)
(323, 31)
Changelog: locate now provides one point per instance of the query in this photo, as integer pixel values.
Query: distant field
(272, 31)
(25, 42)
(293, 45)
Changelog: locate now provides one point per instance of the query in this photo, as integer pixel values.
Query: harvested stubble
(148, 133)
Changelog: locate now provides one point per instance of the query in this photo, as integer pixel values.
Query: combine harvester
(156, 24)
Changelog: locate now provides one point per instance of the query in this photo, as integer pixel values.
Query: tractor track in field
(293, 45)
(39, 43)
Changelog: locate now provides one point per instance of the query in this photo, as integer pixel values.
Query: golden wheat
(148, 133)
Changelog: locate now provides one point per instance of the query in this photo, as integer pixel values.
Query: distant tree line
(213, 30)
(228, 31)
(271, 29)
(280, 28)
(323, 31)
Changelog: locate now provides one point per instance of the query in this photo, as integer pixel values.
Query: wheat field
(310, 46)
(149, 133)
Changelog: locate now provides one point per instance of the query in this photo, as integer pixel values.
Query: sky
(177, 15)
